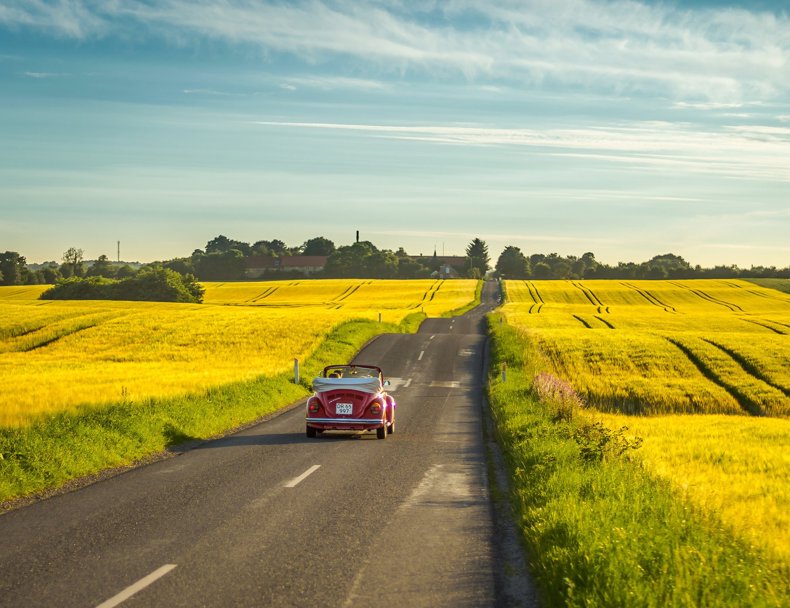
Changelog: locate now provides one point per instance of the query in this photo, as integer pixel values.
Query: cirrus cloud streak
(721, 56)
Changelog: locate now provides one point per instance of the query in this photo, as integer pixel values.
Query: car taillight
(375, 408)
(313, 406)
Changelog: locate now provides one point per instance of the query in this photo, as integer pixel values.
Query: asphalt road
(268, 517)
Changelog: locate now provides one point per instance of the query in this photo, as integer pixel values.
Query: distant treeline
(513, 264)
(225, 259)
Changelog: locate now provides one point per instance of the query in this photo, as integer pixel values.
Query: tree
(183, 266)
(318, 246)
(72, 258)
(541, 270)
(382, 265)
(512, 264)
(102, 268)
(362, 260)
(222, 244)
(50, 273)
(410, 269)
(477, 258)
(220, 266)
(13, 268)
(125, 272)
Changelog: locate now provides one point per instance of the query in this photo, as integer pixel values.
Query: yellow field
(58, 355)
(672, 347)
(359, 298)
(662, 346)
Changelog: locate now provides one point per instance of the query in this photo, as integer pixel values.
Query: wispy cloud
(749, 152)
(210, 92)
(73, 19)
(41, 75)
(716, 57)
(330, 83)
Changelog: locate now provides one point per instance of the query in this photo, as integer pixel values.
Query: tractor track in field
(15, 332)
(754, 292)
(66, 332)
(655, 301)
(591, 297)
(582, 321)
(605, 322)
(742, 399)
(768, 327)
(264, 295)
(708, 298)
(534, 293)
(430, 293)
(748, 367)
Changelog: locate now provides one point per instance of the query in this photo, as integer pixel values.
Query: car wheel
(381, 432)
(391, 427)
(310, 432)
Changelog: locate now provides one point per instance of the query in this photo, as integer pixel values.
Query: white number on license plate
(343, 408)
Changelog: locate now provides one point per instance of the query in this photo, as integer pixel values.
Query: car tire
(310, 432)
(391, 427)
(381, 432)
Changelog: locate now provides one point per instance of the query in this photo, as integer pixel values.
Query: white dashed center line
(138, 586)
(297, 480)
(422, 352)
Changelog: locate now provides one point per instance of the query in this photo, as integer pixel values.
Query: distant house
(443, 266)
(263, 265)
(308, 264)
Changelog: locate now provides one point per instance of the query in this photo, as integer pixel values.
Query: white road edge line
(138, 586)
(422, 352)
(297, 480)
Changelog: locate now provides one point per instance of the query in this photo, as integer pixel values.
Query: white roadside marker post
(296, 371)
(504, 372)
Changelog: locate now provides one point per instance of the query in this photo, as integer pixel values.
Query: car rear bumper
(346, 423)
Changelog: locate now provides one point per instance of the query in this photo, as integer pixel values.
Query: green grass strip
(604, 532)
(57, 449)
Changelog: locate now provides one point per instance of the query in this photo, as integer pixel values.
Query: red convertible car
(351, 398)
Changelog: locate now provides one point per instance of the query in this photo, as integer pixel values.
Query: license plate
(343, 408)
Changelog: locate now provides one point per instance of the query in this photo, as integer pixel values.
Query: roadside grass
(600, 530)
(59, 448)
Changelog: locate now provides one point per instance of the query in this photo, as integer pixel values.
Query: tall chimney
(357, 236)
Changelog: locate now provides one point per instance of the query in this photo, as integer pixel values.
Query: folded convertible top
(366, 385)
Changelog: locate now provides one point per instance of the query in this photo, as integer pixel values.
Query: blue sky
(624, 128)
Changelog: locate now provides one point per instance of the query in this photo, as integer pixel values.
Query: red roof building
(259, 265)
